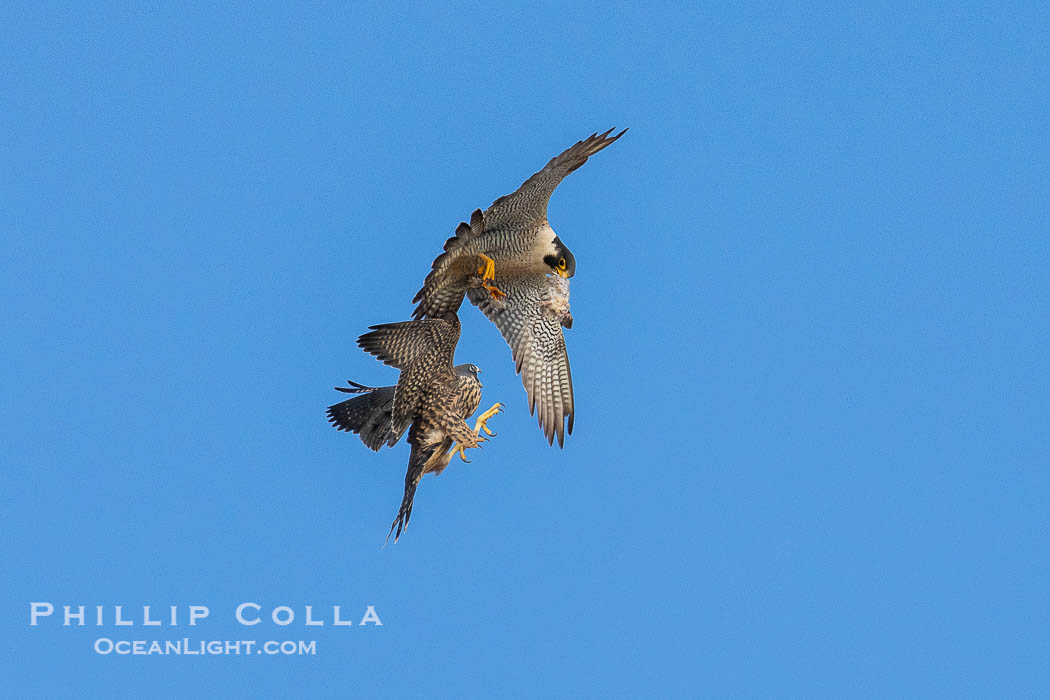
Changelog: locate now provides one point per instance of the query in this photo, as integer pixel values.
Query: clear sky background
(810, 352)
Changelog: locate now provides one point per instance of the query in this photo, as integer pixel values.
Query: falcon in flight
(368, 416)
(511, 264)
(432, 400)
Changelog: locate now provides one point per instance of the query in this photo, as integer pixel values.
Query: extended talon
(488, 269)
(488, 273)
(479, 424)
(462, 455)
(496, 292)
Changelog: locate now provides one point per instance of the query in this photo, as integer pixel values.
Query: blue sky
(810, 350)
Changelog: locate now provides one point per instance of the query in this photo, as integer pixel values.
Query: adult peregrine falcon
(505, 261)
(430, 399)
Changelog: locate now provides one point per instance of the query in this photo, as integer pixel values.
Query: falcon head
(560, 259)
(469, 370)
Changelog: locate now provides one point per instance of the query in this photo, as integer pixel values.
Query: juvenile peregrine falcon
(368, 416)
(430, 399)
(503, 257)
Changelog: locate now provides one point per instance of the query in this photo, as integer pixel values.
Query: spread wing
(368, 416)
(401, 344)
(528, 204)
(531, 319)
(423, 351)
(526, 207)
(442, 290)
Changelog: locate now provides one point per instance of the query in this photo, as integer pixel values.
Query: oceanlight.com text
(189, 647)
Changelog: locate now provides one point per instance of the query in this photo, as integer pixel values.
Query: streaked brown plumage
(431, 399)
(368, 416)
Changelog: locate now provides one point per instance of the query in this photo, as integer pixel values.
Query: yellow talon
(488, 270)
(460, 449)
(488, 273)
(479, 424)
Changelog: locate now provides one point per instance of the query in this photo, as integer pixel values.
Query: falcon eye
(561, 264)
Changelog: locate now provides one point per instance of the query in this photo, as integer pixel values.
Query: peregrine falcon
(505, 260)
(368, 416)
(431, 399)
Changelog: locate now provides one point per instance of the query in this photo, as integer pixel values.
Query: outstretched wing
(528, 204)
(367, 416)
(442, 290)
(401, 344)
(531, 319)
(423, 350)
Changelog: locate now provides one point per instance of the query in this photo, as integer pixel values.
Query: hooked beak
(563, 273)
